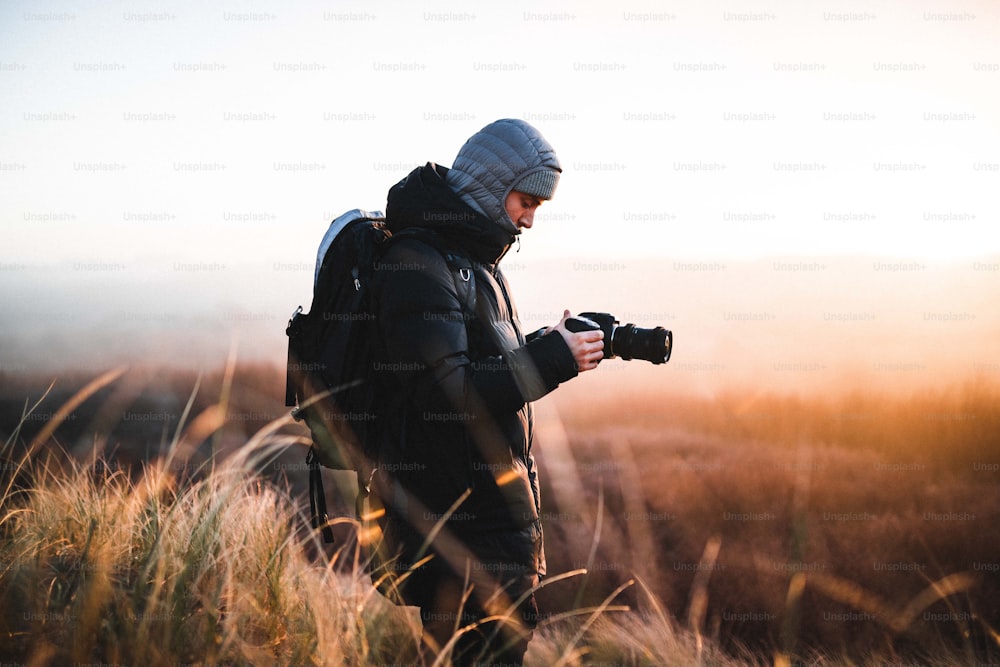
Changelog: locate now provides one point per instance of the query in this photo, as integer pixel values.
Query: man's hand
(587, 346)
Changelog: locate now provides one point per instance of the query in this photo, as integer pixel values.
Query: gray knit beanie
(505, 155)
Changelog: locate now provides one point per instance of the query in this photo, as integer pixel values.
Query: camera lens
(632, 342)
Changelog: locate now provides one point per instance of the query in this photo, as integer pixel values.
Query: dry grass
(212, 569)
(858, 525)
(951, 428)
(214, 566)
(198, 559)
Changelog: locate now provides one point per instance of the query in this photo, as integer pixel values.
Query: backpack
(331, 349)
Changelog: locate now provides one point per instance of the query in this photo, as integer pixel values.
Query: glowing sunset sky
(171, 167)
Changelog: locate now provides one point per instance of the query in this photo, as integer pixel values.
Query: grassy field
(145, 523)
(846, 526)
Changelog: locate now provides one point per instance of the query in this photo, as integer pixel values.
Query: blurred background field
(852, 527)
(865, 499)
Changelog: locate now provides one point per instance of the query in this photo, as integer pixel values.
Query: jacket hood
(424, 199)
(508, 154)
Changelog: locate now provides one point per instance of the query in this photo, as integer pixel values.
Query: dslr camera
(626, 341)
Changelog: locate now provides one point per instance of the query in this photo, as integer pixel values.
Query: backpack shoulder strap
(462, 267)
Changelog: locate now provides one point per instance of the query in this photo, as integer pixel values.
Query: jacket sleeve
(423, 329)
(534, 334)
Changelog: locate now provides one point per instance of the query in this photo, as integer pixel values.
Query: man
(458, 481)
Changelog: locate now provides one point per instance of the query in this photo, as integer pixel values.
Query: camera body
(626, 341)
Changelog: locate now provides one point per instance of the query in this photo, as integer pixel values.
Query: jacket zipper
(520, 339)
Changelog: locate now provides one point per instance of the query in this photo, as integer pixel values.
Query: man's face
(521, 208)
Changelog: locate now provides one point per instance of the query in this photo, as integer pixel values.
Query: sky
(740, 171)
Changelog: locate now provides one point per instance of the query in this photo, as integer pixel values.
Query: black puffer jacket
(467, 377)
